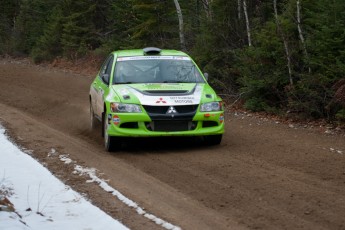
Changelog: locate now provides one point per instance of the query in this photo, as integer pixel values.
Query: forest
(281, 57)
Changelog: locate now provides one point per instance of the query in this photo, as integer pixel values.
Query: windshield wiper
(172, 81)
(127, 82)
(178, 82)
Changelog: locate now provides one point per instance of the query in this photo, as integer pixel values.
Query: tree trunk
(180, 19)
(207, 9)
(247, 22)
(301, 33)
(239, 9)
(286, 45)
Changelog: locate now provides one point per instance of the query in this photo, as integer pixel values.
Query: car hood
(157, 94)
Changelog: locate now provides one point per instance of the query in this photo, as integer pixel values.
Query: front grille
(163, 109)
(171, 126)
(183, 112)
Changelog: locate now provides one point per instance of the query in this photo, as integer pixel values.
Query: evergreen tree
(120, 19)
(8, 17)
(325, 38)
(49, 44)
(78, 32)
(156, 24)
(219, 36)
(31, 21)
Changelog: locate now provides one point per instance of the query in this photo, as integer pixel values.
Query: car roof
(140, 52)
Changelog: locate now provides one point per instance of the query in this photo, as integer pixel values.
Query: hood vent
(162, 92)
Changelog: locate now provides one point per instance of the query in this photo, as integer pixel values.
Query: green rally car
(152, 92)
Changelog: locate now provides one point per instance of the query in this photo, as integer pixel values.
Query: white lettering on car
(153, 57)
(184, 101)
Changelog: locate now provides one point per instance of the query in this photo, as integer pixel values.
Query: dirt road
(264, 175)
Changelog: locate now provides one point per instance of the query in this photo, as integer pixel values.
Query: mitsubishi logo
(161, 100)
(171, 110)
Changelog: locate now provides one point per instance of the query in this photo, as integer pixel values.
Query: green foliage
(30, 23)
(263, 68)
(311, 95)
(264, 77)
(120, 20)
(255, 104)
(156, 24)
(77, 31)
(220, 33)
(8, 14)
(48, 45)
(340, 115)
(324, 22)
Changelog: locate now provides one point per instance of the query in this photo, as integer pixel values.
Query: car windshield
(156, 69)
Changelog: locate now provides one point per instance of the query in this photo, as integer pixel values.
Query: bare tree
(239, 9)
(207, 7)
(247, 22)
(301, 37)
(180, 19)
(286, 45)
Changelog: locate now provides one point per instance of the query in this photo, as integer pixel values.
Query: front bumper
(141, 125)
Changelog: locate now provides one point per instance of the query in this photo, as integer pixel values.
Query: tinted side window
(109, 65)
(106, 69)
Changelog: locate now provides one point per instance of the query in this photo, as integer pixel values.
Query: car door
(103, 84)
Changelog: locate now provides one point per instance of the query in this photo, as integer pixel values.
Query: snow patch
(52, 152)
(336, 150)
(41, 200)
(65, 159)
(91, 172)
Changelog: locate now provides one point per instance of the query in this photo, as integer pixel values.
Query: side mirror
(206, 76)
(105, 78)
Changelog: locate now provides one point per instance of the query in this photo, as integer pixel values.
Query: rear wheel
(213, 139)
(108, 140)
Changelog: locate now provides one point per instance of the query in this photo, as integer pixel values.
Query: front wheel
(108, 140)
(213, 139)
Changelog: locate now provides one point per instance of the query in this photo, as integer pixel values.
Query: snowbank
(40, 199)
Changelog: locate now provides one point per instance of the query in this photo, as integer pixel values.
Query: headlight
(124, 108)
(211, 106)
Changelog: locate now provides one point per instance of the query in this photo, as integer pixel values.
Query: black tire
(213, 139)
(93, 120)
(108, 140)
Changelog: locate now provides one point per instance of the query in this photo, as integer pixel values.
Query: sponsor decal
(183, 99)
(154, 58)
(221, 118)
(116, 120)
(192, 99)
(161, 100)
